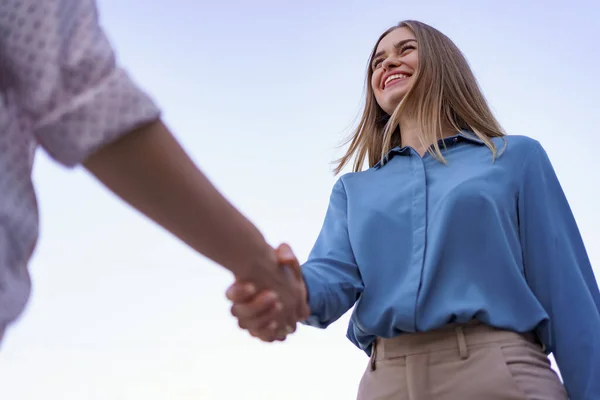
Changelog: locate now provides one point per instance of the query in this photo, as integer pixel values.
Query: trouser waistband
(452, 336)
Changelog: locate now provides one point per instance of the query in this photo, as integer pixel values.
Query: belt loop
(463, 351)
(373, 355)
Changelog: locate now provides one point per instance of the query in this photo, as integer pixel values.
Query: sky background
(261, 93)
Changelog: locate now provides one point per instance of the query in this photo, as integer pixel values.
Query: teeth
(393, 77)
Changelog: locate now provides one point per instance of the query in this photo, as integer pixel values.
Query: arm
(59, 70)
(329, 281)
(148, 169)
(331, 274)
(559, 273)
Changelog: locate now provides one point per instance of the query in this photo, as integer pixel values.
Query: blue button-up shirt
(417, 244)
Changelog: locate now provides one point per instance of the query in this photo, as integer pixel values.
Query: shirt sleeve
(58, 68)
(332, 277)
(559, 273)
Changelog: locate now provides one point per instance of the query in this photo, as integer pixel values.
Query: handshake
(271, 312)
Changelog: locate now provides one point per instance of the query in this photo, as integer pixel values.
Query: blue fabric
(416, 244)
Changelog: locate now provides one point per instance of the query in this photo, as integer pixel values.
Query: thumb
(286, 257)
(287, 260)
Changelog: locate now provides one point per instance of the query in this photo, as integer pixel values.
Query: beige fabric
(460, 362)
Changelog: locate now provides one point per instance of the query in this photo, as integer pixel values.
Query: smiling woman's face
(394, 64)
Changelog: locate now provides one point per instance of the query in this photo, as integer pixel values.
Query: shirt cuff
(96, 117)
(317, 297)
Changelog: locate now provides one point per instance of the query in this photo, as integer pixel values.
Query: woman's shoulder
(348, 182)
(521, 142)
(518, 146)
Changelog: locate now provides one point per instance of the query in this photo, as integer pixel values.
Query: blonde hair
(445, 93)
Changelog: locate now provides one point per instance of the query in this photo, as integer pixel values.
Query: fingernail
(272, 296)
(289, 329)
(250, 288)
(287, 252)
(273, 325)
(278, 306)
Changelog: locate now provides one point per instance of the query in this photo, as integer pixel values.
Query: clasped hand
(264, 313)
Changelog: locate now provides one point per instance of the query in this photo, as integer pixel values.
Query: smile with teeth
(394, 78)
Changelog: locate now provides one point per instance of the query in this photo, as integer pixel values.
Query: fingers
(256, 307)
(260, 313)
(271, 334)
(266, 315)
(241, 292)
(263, 318)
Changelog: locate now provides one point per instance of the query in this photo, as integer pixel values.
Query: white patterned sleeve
(59, 68)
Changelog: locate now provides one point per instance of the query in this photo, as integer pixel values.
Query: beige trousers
(460, 362)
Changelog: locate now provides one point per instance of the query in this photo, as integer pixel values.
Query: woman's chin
(391, 106)
(394, 98)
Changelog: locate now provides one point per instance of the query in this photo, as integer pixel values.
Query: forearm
(328, 298)
(149, 170)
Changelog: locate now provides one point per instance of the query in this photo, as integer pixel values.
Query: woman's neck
(410, 133)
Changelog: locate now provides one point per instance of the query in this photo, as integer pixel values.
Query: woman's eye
(376, 63)
(405, 48)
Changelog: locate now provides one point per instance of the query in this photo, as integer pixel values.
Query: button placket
(419, 217)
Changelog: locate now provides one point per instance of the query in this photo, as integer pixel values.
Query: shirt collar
(463, 135)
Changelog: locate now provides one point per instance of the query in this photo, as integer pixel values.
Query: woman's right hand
(261, 313)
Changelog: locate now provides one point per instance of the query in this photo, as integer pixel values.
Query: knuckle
(242, 324)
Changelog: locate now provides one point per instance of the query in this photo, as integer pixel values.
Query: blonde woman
(457, 246)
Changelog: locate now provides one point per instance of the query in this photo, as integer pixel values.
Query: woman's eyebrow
(397, 45)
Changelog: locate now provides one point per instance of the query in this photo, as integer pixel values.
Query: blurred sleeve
(58, 67)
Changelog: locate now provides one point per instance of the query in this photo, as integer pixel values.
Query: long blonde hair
(445, 93)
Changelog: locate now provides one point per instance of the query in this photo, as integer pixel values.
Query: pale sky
(260, 93)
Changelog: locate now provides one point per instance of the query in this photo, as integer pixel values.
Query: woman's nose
(390, 63)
